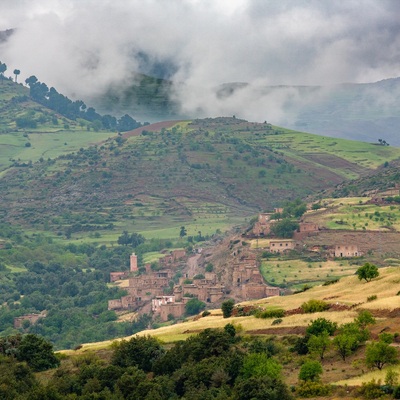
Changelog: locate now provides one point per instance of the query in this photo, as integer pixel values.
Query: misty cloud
(85, 47)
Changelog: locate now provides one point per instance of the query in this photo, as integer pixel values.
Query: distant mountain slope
(363, 112)
(229, 166)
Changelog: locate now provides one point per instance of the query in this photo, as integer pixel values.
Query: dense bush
(313, 305)
(227, 308)
(313, 389)
(270, 313)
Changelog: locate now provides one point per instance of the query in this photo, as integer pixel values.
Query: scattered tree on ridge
(16, 73)
(367, 272)
(3, 68)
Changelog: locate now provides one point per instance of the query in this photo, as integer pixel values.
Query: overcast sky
(82, 46)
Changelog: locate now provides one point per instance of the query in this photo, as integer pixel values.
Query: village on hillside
(231, 267)
(164, 290)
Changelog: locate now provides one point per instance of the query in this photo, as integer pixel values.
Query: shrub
(396, 392)
(320, 325)
(271, 313)
(194, 306)
(314, 305)
(227, 307)
(313, 389)
(205, 313)
(372, 298)
(244, 311)
(330, 282)
(310, 371)
(371, 389)
(277, 321)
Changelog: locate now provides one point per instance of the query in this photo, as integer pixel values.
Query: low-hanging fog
(84, 47)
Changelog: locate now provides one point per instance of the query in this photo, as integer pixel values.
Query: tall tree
(3, 68)
(16, 73)
(182, 232)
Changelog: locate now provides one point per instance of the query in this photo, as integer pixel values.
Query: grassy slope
(348, 291)
(213, 173)
(51, 138)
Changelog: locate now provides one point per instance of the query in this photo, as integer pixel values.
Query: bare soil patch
(284, 330)
(332, 161)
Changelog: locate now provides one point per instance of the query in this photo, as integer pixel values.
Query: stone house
(308, 227)
(142, 288)
(175, 256)
(254, 290)
(165, 306)
(116, 276)
(281, 245)
(263, 226)
(347, 250)
(264, 218)
(174, 309)
(202, 291)
(246, 273)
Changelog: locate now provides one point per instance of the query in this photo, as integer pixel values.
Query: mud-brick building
(263, 225)
(281, 245)
(142, 288)
(254, 290)
(243, 273)
(125, 303)
(133, 267)
(347, 250)
(165, 306)
(305, 227)
(116, 276)
(203, 292)
(174, 257)
(174, 309)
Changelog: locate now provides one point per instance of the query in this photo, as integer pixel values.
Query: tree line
(56, 101)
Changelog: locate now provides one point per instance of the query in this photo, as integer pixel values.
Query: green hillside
(30, 131)
(206, 173)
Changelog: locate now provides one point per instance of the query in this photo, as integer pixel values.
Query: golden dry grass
(375, 374)
(348, 291)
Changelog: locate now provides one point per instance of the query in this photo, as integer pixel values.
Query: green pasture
(163, 227)
(362, 217)
(364, 154)
(46, 145)
(297, 273)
